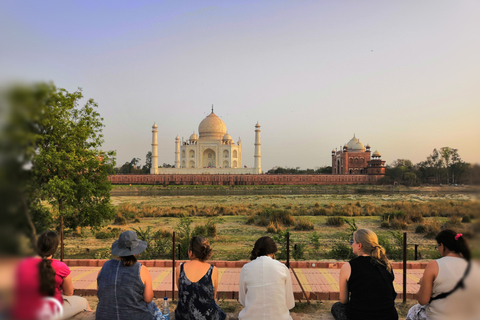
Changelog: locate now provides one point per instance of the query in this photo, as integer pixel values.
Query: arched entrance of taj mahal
(209, 158)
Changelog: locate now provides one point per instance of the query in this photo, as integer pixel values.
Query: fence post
(288, 250)
(416, 252)
(404, 267)
(173, 267)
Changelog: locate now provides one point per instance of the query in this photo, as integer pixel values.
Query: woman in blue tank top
(197, 285)
(124, 285)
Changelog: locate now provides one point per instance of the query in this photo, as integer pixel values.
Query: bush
(466, 219)
(251, 219)
(420, 229)
(385, 224)
(199, 231)
(341, 251)
(304, 224)
(335, 221)
(453, 222)
(398, 224)
(272, 228)
(119, 219)
(299, 251)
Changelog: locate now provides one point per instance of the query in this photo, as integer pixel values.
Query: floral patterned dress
(196, 299)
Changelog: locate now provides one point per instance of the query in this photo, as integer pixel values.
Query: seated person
(197, 283)
(124, 285)
(265, 285)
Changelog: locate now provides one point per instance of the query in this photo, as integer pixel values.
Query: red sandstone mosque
(354, 158)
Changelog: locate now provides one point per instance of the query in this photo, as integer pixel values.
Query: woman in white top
(265, 286)
(442, 276)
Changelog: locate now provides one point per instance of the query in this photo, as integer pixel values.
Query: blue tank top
(120, 293)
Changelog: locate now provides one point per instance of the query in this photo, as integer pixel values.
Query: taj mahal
(213, 151)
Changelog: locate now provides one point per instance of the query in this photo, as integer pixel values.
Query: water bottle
(165, 309)
(158, 315)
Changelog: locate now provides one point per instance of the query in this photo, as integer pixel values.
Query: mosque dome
(193, 137)
(154, 126)
(376, 154)
(212, 128)
(354, 145)
(227, 137)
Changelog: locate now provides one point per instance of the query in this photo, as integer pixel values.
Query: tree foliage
(54, 148)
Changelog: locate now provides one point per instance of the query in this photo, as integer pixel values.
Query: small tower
(177, 152)
(154, 168)
(258, 156)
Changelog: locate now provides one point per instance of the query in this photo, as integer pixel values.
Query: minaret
(154, 168)
(258, 156)
(177, 152)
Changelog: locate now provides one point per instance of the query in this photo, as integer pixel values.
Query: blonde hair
(370, 246)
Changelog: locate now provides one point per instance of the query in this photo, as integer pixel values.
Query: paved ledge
(318, 279)
(237, 264)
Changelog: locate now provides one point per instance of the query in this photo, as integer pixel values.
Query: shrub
(304, 224)
(199, 231)
(453, 222)
(466, 219)
(420, 229)
(272, 228)
(385, 224)
(335, 221)
(341, 251)
(398, 224)
(119, 219)
(251, 219)
(298, 251)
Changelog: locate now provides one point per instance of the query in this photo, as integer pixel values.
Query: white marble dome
(212, 128)
(354, 145)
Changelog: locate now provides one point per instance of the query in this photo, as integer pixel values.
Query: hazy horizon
(401, 76)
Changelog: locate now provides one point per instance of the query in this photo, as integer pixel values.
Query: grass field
(234, 238)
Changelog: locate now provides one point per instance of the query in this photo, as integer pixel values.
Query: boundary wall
(243, 179)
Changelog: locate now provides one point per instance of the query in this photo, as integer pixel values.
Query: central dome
(212, 128)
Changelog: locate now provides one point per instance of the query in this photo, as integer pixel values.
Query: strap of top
(460, 284)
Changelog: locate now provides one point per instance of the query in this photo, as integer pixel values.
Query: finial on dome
(212, 108)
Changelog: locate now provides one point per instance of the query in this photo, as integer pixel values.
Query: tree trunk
(33, 234)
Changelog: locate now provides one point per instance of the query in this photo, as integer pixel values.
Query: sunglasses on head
(351, 241)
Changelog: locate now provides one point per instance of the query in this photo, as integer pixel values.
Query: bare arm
(147, 281)
(426, 282)
(67, 285)
(345, 272)
(215, 281)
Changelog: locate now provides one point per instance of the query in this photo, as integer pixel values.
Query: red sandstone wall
(242, 179)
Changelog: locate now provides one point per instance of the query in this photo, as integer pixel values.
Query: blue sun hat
(128, 244)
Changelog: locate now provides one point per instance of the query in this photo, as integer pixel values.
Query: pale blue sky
(403, 76)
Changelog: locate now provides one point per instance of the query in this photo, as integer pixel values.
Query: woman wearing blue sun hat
(125, 285)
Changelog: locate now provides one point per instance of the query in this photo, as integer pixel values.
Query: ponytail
(46, 274)
(454, 242)
(47, 245)
(370, 246)
(379, 255)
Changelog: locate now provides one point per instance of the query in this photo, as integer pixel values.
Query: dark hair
(263, 246)
(128, 261)
(47, 245)
(454, 242)
(200, 248)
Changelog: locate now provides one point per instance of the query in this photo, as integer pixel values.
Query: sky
(403, 76)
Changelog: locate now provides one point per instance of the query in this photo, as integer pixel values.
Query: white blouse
(265, 290)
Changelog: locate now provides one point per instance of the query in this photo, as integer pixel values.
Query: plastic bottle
(158, 315)
(165, 309)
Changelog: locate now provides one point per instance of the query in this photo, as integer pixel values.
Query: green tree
(61, 158)
(148, 162)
